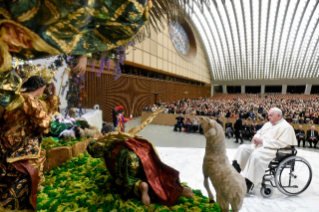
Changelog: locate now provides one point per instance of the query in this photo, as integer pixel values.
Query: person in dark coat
(301, 136)
(246, 131)
(238, 128)
(180, 123)
(228, 113)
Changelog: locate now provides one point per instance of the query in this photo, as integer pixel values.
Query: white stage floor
(185, 153)
(189, 163)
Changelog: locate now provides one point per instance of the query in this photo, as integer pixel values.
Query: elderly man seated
(301, 136)
(312, 136)
(254, 158)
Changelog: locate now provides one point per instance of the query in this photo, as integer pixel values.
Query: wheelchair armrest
(287, 148)
(292, 149)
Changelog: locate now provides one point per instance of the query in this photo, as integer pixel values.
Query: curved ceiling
(259, 39)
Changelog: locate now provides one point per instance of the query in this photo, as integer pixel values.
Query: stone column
(224, 88)
(308, 88)
(262, 89)
(284, 89)
(243, 89)
(211, 90)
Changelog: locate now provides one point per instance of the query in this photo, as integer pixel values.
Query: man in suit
(301, 136)
(312, 136)
(238, 128)
(253, 128)
(229, 129)
(246, 131)
(180, 123)
(251, 114)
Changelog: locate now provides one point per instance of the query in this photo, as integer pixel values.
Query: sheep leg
(234, 208)
(206, 185)
(236, 205)
(224, 206)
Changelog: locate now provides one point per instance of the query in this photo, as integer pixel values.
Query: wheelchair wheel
(293, 175)
(267, 191)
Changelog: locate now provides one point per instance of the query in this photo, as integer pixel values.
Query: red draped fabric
(25, 167)
(163, 179)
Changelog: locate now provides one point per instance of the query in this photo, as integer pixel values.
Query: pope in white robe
(254, 159)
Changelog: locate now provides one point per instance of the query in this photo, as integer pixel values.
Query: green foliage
(84, 185)
(50, 142)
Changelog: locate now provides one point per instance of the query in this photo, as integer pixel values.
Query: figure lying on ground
(137, 169)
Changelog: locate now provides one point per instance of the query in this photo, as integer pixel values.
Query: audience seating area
(248, 97)
(297, 109)
(170, 120)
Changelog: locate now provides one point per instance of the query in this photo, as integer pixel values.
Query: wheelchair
(289, 173)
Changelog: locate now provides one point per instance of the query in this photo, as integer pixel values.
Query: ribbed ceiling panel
(260, 39)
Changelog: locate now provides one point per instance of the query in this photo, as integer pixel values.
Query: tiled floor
(185, 153)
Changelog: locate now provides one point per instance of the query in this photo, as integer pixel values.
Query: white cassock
(254, 160)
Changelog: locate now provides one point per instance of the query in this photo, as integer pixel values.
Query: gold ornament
(27, 71)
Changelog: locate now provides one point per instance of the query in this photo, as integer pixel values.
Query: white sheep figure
(229, 185)
(67, 134)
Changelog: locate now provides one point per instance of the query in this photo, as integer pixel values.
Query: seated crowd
(188, 125)
(296, 108)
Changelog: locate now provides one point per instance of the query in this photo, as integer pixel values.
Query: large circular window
(179, 38)
(183, 39)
